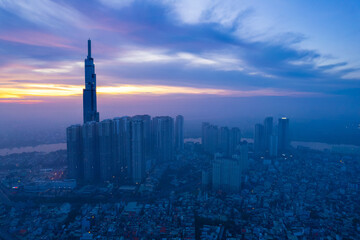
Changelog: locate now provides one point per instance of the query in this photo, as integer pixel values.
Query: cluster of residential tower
(230, 154)
(117, 149)
(121, 149)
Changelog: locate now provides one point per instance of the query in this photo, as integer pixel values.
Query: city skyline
(205, 119)
(118, 149)
(210, 57)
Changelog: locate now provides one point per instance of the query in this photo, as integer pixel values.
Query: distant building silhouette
(259, 139)
(204, 126)
(243, 155)
(220, 140)
(268, 132)
(137, 149)
(122, 148)
(90, 152)
(225, 173)
(210, 138)
(147, 133)
(283, 135)
(224, 141)
(106, 150)
(234, 140)
(75, 151)
(163, 132)
(273, 151)
(179, 133)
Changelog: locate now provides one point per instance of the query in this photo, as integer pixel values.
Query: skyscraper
(179, 133)
(204, 127)
(89, 93)
(224, 137)
(244, 155)
(210, 138)
(122, 148)
(74, 152)
(163, 128)
(226, 174)
(137, 150)
(147, 133)
(268, 131)
(283, 135)
(259, 139)
(90, 151)
(235, 139)
(273, 152)
(116, 149)
(105, 150)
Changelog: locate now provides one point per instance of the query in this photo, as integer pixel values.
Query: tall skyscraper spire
(89, 93)
(89, 48)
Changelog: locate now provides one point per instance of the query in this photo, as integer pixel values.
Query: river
(46, 148)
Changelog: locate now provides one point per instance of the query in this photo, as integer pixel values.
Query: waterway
(46, 148)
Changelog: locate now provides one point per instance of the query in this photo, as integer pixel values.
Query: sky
(225, 61)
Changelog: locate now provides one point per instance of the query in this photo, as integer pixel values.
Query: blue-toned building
(89, 93)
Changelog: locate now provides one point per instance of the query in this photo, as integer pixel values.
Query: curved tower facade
(89, 93)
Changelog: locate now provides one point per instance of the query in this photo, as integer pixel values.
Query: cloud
(116, 4)
(214, 60)
(21, 91)
(224, 12)
(36, 38)
(29, 71)
(46, 13)
(66, 68)
(21, 101)
(275, 24)
(202, 44)
(352, 75)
